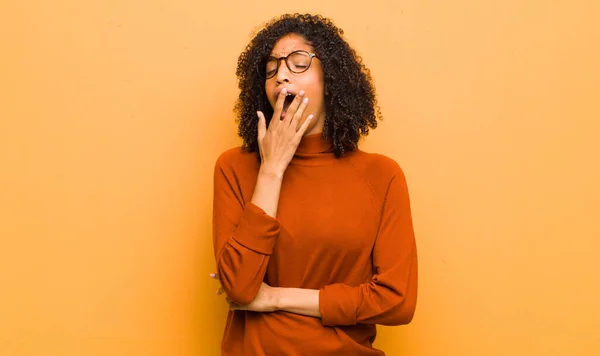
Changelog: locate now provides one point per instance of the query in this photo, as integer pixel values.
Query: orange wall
(113, 113)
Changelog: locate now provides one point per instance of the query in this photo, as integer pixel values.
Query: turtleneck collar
(314, 143)
(314, 150)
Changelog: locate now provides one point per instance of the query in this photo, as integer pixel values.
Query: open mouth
(286, 104)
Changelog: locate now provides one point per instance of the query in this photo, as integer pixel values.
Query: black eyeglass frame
(263, 72)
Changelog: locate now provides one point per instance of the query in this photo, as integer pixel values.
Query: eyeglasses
(297, 62)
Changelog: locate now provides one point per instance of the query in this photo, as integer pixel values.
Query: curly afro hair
(350, 101)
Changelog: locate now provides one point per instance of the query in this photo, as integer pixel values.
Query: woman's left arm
(390, 297)
(299, 301)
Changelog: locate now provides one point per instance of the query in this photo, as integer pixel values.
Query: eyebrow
(293, 50)
(310, 50)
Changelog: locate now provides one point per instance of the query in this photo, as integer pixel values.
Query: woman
(313, 237)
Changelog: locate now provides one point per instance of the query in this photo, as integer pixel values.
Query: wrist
(270, 173)
(277, 298)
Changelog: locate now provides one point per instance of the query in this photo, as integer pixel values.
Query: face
(311, 81)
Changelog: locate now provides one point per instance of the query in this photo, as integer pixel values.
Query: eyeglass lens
(297, 62)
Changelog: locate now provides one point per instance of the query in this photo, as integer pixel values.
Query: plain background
(113, 113)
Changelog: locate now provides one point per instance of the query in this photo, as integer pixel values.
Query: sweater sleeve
(243, 237)
(390, 297)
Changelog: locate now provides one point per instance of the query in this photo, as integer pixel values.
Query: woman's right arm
(244, 234)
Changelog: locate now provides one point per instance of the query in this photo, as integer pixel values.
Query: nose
(283, 72)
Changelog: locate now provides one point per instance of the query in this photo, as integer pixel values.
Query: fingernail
(212, 275)
(301, 93)
(258, 113)
(284, 91)
(310, 117)
(305, 100)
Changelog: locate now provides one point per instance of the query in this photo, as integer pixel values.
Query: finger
(298, 114)
(279, 107)
(230, 302)
(304, 125)
(235, 306)
(287, 120)
(262, 125)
